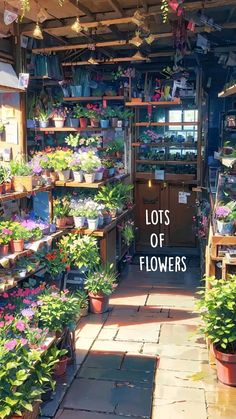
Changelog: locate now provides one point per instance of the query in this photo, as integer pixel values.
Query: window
(187, 115)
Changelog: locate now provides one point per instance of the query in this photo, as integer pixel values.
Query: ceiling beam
(117, 7)
(119, 42)
(83, 8)
(113, 60)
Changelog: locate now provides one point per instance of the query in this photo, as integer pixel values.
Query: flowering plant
(75, 163)
(19, 232)
(55, 262)
(101, 280)
(82, 251)
(5, 236)
(60, 159)
(89, 161)
(61, 207)
(128, 232)
(150, 135)
(224, 213)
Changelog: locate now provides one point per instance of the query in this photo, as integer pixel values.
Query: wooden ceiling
(110, 25)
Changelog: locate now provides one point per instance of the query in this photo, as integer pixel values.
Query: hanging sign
(9, 17)
(159, 174)
(183, 197)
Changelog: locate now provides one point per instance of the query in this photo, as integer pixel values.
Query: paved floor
(120, 376)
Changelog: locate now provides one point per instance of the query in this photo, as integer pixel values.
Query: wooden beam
(120, 42)
(113, 60)
(117, 7)
(82, 8)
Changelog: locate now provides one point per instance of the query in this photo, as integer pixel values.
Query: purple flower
(222, 212)
(27, 312)
(11, 344)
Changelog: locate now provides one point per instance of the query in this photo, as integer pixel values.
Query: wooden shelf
(18, 195)
(164, 124)
(94, 185)
(68, 129)
(186, 178)
(228, 92)
(174, 162)
(161, 103)
(91, 98)
(163, 145)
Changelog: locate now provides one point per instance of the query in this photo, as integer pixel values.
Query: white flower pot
(43, 124)
(64, 175)
(226, 229)
(89, 177)
(93, 224)
(98, 176)
(78, 176)
(59, 123)
(79, 221)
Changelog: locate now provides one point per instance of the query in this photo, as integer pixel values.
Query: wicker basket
(23, 183)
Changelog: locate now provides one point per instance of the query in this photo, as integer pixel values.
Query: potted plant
(108, 163)
(22, 176)
(75, 166)
(43, 118)
(72, 119)
(79, 213)
(73, 140)
(82, 251)
(61, 210)
(114, 197)
(99, 174)
(61, 365)
(90, 162)
(80, 112)
(5, 239)
(100, 284)
(94, 116)
(92, 218)
(60, 162)
(217, 309)
(19, 235)
(225, 217)
(58, 116)
(104, 121)
(116, 147)
(127, 233)
(112, 114)
(3, 177)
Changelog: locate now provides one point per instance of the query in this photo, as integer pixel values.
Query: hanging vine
(164, 10)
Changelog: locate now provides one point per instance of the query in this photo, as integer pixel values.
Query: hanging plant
(164, 10)
(25, 6)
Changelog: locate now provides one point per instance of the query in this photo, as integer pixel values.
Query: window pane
(190, 115)
(175, 116)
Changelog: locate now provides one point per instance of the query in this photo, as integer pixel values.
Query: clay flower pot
(60, 367)
(8, 187)
(4, 249)
(83, 122)
(59, 122)
(98, 303)
(61, 222)
(2, 188)
(17, 245)
(94, 123)
(70, 220)
(226, 367)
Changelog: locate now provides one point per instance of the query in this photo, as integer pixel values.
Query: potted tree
(90, 162)
(217, 309)
(100, 284)
(225, 216)
(22, 176)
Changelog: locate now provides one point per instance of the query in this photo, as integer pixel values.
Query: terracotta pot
(2, 189)
(98, 303)
(83, 122)
(226, 367)
(29, 415)
(70, 221)
(8, 187)
(60, 367)
(61, 222)
(17, 246)
(4, 249)
(94, 123)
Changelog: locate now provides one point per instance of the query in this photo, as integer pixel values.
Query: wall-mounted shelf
(228, 92)
(94, 185)
(173, 177)
(18, 195)
(162, 103)
(68, 129)
(164, 124)
(92, 98)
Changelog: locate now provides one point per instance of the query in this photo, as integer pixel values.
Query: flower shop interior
(117, 173)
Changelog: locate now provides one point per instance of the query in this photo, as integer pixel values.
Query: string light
(149, 183)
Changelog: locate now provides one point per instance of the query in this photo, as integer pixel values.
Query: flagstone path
(120, 376)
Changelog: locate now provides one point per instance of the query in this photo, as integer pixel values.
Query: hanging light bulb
(77, 27)
(149, 183)
(136, 40)
(37, 33)
(139, 57)
(138, 18)
(92, 60)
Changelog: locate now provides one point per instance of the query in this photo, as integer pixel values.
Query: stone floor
(145, 358)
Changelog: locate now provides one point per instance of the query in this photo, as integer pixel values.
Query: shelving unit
(228, 92)
(18, 195)
(92, 98)
(160, 103)
(94, 185)
(69, 129)
(164, 124)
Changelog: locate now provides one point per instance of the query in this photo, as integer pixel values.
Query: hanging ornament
(164, 10)
(136, 40)
(9, 17)
(37, 33)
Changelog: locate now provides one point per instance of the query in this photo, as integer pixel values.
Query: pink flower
(26, 301)
(20, 325)
(24, 341)
(9, 317)
(5, 295)
(2, 324)
(11, 344)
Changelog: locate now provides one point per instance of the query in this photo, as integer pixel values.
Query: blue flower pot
(226, 229)
(104, 123)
